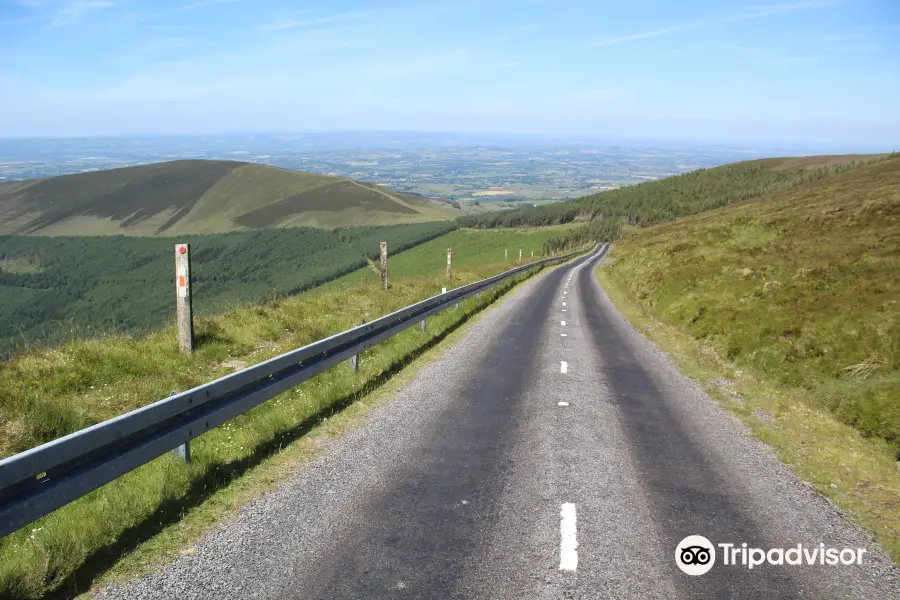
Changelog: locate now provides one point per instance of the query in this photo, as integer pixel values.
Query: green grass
(55, 288)
(471, 248)
(48, 393)
(200, 197)
(795, 296)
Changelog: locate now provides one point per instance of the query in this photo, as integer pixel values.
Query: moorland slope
(201, 196)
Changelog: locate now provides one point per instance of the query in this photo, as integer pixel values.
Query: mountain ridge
(200, 196)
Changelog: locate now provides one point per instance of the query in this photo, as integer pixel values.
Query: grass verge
(141, 516)
(856, 473)
(785, 308)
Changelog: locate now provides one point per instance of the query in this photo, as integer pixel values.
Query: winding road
(553, 452)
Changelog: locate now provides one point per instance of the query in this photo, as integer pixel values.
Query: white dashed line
(563, 323)
(562, 403)
(564, 303)
(563, 367)
(568, 555)
(563, 335)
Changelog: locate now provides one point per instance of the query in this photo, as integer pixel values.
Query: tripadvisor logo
(696, 555)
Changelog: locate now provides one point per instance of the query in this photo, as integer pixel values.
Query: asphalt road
(552, 453)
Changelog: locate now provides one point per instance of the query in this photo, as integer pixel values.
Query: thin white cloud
(74, 11)
(203, 4)
(853, 37)
(774, 57)
(291, 23)
(756, 13)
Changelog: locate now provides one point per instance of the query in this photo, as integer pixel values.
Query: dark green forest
(657, 201)
(53, 288)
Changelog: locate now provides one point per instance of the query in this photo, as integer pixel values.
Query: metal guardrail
(36, 482)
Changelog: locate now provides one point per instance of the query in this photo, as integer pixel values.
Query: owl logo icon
(695, 555)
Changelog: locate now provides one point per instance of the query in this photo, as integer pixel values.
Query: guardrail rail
(38, 481)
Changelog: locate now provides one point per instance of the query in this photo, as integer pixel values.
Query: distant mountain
(201, 196)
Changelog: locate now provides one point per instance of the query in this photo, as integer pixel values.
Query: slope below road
(553, 452)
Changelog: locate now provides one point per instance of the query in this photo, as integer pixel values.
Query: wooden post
(183, 306)
(384, 271)
(449, 261)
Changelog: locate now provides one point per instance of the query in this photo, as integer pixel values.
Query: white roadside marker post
(183, 305)
(449, 262)
(384, 267)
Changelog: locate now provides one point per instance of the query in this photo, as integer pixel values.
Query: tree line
(52, 288)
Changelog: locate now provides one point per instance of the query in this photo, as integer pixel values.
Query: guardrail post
(353, 361)
(183, 306)
(384, 271)
(449, 261)
(506, 254)
(422, 325)
(183, 452)
(520, 255)
(532, 254)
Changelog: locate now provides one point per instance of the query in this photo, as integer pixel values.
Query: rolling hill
(666, 199)
(201, 196)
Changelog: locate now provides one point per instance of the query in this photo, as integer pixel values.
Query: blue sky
(803, 70)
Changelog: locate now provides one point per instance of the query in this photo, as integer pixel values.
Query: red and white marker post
(183, 305)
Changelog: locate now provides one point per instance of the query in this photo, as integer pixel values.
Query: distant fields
(54, 288)
(201, 196)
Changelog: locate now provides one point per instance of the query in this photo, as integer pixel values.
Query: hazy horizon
(398, 139)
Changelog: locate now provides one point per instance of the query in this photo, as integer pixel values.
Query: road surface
(552, 453)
